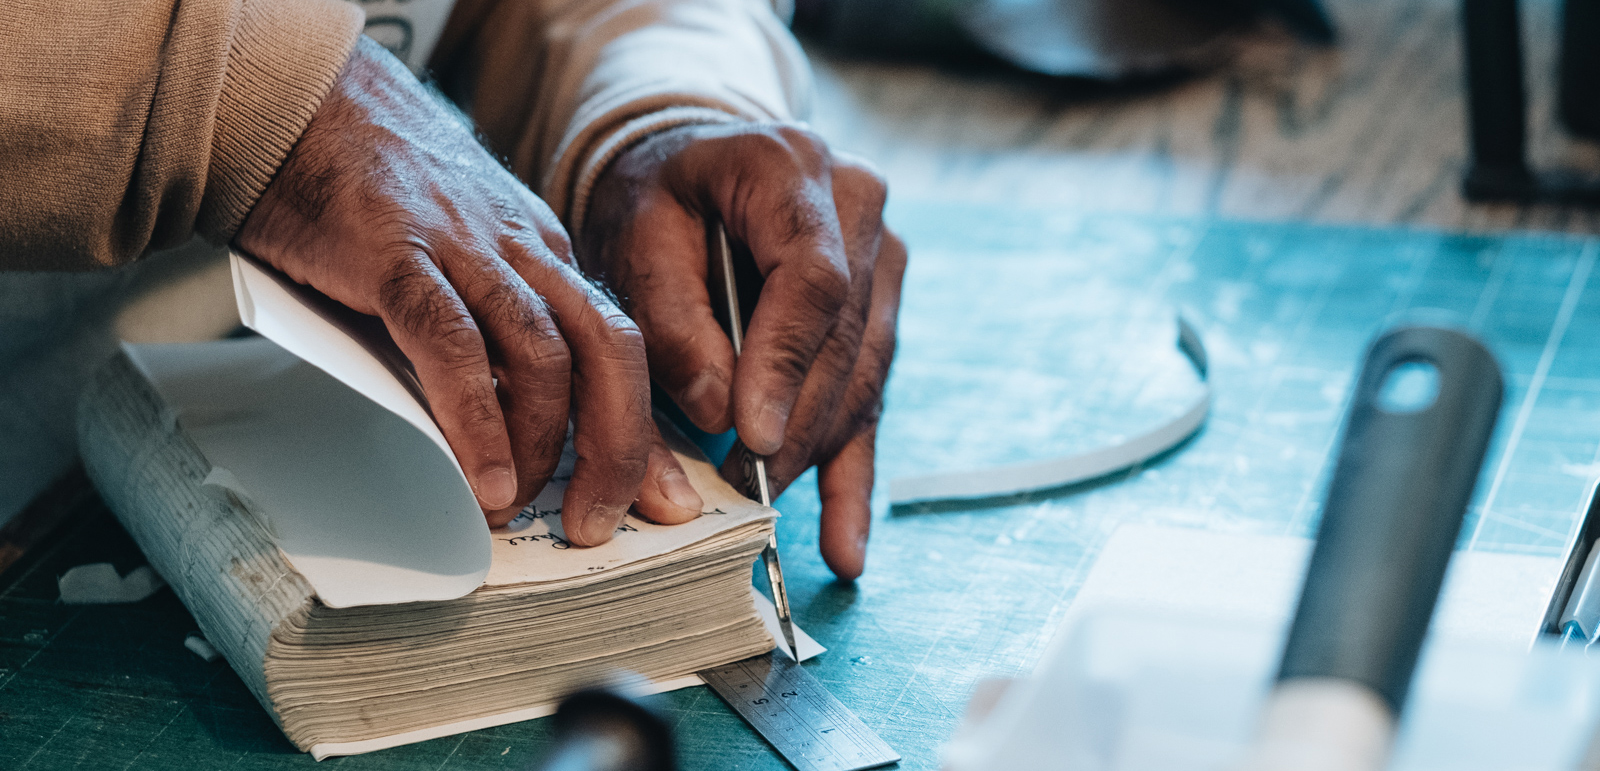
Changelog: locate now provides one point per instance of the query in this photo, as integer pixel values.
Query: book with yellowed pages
(295, 493)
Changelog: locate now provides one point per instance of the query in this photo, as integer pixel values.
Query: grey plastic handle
(1405, 473)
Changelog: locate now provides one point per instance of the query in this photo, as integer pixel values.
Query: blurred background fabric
(1097, 39)
(56, 328)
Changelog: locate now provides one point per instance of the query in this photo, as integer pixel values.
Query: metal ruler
(797, 715)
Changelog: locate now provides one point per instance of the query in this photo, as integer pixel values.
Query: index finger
(434, 329)
(794, 234)
(610, 397)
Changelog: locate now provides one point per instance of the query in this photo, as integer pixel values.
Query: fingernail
(769, 428)
(601, 523)
(675, 485)
(496, 488)
(697, 391)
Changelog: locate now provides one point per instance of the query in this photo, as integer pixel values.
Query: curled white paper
(1058, 472)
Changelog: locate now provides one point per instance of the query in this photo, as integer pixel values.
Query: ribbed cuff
(625, 136)
(283, 60)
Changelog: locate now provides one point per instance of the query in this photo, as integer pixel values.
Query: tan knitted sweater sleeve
(130, 125)
(559, 87)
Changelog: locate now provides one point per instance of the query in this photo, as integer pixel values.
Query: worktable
(955, 593)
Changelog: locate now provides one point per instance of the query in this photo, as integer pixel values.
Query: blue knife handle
(1405, 473)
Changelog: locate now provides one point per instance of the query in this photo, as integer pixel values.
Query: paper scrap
(98, 583)
(808, 646)
(1072, 469)
(199, 646)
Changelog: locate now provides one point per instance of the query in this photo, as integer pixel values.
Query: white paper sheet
(366, 507)
(1168, 649)
(352, 348)
(1487, 598)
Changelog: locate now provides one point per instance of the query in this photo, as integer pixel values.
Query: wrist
(282, 62)
(625, 137)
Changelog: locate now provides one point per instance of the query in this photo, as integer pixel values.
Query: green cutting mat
(1010, 349)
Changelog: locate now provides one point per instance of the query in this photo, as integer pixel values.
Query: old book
(329, 546)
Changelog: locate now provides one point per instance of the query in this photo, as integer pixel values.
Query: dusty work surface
(1002, 306)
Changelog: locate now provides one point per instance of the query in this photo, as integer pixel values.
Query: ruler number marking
(798, 716)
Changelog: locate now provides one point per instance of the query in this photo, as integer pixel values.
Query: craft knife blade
(754, 466)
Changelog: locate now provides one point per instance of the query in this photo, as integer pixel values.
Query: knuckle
(625, 455)
(824, 285)
(789, 362)
(634, 456)
(549, 354)
(411, 294)
(457, 346)
(622, 339)
(480, 411)
(507, 301)
(787, 146)
(525, 331)
(501, 302)
(864, 179)
(892, 251)
(804, 141)
(806, 217)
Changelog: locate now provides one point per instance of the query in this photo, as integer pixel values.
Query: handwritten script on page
(533, 547)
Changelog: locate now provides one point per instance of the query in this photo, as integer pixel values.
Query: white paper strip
(1059, 472)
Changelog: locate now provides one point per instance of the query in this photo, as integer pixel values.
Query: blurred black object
(1580, 67)
(597, 730)
(1100, 39)
(1497, 109)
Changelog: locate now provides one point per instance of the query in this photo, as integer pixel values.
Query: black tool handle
(600, 730)
(1579, 67)
(1496, 100)
(1405, 473)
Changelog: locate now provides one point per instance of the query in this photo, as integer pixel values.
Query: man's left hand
(808, 389)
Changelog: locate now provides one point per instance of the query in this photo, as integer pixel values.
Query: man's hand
(809, 386)
(389, 205)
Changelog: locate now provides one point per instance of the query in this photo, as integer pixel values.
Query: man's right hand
(389, 205)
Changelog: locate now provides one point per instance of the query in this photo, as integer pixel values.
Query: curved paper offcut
(1058, 472)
